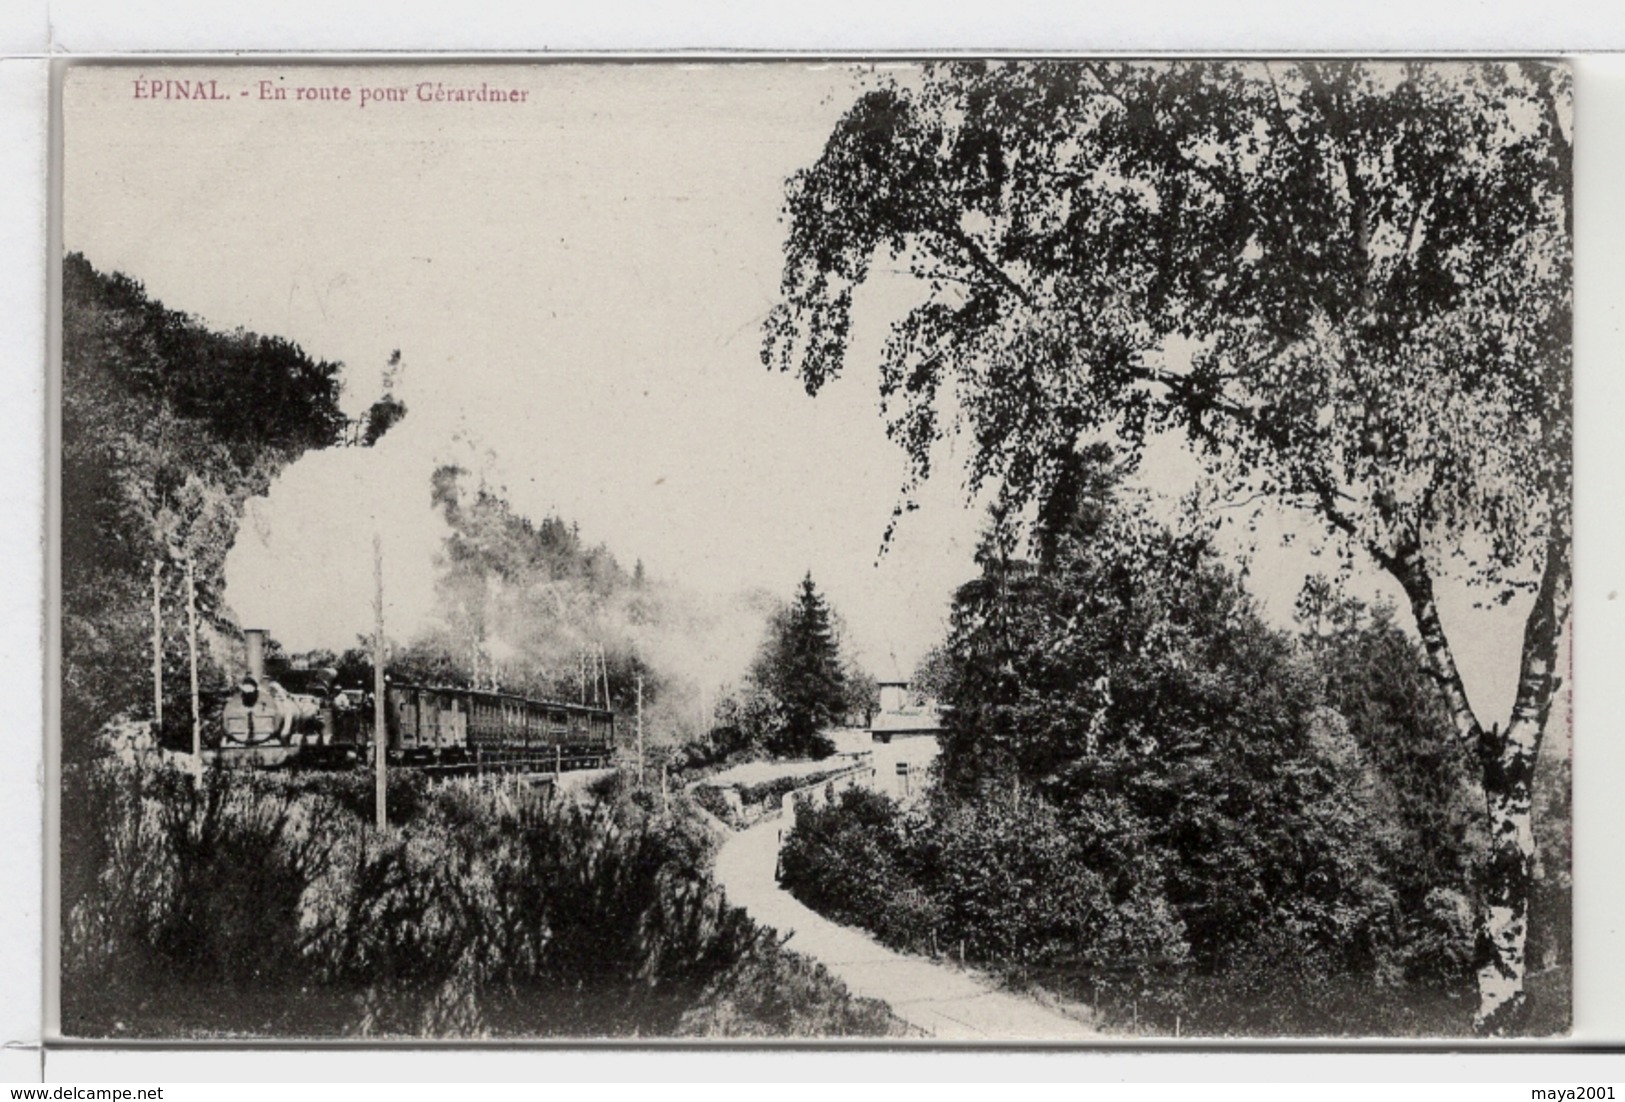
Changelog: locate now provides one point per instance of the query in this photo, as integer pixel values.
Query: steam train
(303, 717)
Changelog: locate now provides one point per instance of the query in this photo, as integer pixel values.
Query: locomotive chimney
(255, 639)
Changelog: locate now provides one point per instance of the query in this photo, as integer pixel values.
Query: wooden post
(191, 647)
(380, 730)
(640, 730)
(157, 650)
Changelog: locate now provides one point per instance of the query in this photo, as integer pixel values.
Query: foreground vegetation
(1024, 892)
(1152, 799)
(1014, 891)
(245, 904)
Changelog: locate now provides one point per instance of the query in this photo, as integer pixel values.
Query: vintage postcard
(1070, 551)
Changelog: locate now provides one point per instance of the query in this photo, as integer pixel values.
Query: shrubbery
(755, 800)
(1145, 788)
(249, 903)
(716, 802)
(1037, 895)
(1001, 884)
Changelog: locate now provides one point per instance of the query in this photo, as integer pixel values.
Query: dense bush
(1421, 777)
(726, 741)
(1290, 802)
(1021, 886)
(845, 861)
(1148, 793)
(994, 882)
(1551, 907)
(1126, 679)
(249, 903)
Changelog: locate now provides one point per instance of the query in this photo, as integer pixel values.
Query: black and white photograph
(1070, 551)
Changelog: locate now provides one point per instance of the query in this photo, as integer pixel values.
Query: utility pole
(157, 650)
(640, 730)
(380, 730)
(191, 647)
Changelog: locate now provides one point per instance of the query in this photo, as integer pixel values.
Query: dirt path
(941, 1002)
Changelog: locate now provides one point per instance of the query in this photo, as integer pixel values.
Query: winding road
(943, 1003)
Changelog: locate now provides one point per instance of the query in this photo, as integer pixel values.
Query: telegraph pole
(640, 730)
(380, 730)
(191, 647)
(157, 651)
(354, 436)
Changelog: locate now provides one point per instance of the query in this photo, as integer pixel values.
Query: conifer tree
(801, 668)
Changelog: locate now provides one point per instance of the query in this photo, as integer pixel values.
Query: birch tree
(1347, 285)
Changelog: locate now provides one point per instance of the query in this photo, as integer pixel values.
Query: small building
(904, 714)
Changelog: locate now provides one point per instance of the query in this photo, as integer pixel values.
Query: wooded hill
(168, 427)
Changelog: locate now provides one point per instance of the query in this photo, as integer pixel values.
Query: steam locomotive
(303, 717)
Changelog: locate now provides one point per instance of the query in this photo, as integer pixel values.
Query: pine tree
(801, 668)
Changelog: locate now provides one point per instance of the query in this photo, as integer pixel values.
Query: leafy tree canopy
(1124, 676)
(1347, 285)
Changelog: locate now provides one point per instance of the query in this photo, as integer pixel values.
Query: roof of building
(910, 719)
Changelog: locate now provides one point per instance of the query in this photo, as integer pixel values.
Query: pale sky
(576, 283)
